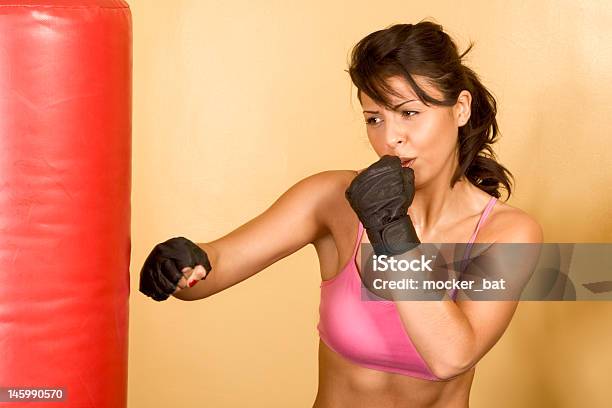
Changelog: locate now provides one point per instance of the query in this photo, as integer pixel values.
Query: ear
(463, 108)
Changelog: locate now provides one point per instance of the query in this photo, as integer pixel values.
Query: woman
(424, 111)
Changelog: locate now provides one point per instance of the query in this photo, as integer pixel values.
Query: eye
(407, 114)
(372, 121)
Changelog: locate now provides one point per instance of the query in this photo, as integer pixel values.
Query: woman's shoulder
(327, 189)
(343, 175)
(329, 181)
(507, 223)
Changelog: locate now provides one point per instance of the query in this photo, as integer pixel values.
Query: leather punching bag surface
(65, 179)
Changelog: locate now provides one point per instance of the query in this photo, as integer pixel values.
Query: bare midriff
(343, 383)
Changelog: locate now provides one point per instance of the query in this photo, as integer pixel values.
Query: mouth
(407, 161)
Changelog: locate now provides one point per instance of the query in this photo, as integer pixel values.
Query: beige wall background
(236, 101)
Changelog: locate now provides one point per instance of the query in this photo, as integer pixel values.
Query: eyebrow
(395, 107)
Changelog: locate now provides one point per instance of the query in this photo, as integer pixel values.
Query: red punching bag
(65, 179)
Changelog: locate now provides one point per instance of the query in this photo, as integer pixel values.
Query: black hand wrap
(162, 269)
(381, 195)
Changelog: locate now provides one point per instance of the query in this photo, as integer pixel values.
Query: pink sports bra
(370, 333)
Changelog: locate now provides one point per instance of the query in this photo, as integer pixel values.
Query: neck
(436, 203)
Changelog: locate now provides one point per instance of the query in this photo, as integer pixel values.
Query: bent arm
(293, 221)
(453, 336)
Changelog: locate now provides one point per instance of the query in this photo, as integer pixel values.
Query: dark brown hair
(424, 49)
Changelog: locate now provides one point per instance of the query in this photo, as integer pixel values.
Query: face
(427, 134)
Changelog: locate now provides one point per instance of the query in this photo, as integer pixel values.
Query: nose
(395, 134)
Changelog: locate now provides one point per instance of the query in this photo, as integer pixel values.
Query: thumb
(199, 273)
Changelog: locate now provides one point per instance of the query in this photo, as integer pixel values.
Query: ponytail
(477, 159)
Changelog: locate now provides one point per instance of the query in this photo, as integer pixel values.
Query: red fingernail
(193, 283)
